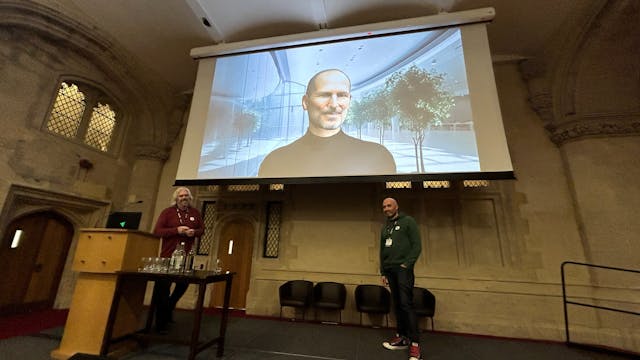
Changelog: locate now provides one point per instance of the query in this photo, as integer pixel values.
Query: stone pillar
(145, 178)
(589, 100)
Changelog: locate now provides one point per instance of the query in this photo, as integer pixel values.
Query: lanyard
(391, 228)
(180, 216)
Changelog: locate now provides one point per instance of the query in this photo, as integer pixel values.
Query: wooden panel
(242, 234)
(104, 251)
(18, 262)
(29, 280)
(49, 263)
(88, 314)
(139, 245)
(100, 252)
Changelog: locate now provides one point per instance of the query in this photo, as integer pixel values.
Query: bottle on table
(177, 259)
(188, 263)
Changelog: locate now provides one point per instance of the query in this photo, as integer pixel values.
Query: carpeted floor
(270, 339)
(31, 323)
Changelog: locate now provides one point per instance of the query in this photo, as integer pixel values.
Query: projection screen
(416, 95)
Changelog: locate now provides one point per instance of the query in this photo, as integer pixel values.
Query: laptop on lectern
(124, 220)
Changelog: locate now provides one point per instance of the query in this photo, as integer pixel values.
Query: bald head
(327, 101)
(390, 208)
(333, 74)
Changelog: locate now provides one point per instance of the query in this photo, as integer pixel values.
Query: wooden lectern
(99, 254)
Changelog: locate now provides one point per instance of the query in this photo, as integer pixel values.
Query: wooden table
(126, 279)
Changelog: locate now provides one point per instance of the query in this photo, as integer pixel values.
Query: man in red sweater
(178, 223)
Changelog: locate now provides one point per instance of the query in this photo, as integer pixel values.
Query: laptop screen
(124, 220)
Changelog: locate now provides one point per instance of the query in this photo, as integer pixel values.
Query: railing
(567, 302)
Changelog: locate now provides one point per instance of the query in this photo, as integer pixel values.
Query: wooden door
(234, 250)
(32, 267)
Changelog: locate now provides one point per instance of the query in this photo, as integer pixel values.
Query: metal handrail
(564, 295)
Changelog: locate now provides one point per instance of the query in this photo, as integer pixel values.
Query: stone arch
(80, 212)
(561, 80)
(151, 102)
(74, 220)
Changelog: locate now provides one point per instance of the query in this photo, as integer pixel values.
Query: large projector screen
(407, 100)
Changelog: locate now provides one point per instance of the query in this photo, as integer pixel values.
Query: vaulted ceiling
(160, 33)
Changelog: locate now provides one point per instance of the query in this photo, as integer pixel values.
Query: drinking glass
(146, 264)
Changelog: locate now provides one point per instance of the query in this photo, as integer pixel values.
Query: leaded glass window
(67, 111)
(70, 118)
(101, 125)
(272, 233)
(209, 219)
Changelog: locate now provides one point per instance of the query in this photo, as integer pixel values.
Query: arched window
(69, 116)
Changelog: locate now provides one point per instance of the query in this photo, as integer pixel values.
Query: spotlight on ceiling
(203, 9)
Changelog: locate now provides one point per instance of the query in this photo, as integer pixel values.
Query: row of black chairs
(302, 294)
(370, 299)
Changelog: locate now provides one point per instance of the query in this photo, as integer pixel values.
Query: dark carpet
(251, 338)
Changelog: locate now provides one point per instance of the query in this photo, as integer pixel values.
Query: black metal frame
(566, 302)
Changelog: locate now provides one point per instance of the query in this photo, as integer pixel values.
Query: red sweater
(167, 228)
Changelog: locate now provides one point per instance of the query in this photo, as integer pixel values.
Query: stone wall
(491, 255)
(38, 48)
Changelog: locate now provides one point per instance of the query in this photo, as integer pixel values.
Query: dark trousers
(166, 301)
(401, 282)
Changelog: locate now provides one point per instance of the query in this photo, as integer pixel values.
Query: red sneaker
(397, 343)
(414, 352)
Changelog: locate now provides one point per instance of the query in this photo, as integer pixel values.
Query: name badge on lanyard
(389, 241)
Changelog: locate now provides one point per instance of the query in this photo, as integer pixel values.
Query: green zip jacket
(405, 246)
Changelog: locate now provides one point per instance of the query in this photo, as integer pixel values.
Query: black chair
(424, 303)
(373, 299)
(329, 295)
(296, 293)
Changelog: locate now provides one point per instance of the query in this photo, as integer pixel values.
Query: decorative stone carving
(561, 82)
(83, 212)
(578, 127)
(152, 152)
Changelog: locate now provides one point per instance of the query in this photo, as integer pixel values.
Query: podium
(99, 254)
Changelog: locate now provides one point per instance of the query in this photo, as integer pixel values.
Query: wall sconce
(86, 165)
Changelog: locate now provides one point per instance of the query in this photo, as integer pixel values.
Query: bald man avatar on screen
(325, 150)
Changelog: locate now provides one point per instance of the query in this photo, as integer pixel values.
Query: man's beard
(331, 125)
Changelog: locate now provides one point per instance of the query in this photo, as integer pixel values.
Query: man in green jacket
(400, 247)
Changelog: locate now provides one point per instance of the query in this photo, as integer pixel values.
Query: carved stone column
(145, 178)
(587, 92)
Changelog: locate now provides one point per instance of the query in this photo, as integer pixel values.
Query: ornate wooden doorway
(34, 250)
(234, 250)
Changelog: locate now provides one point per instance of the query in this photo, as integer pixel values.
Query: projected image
(376, 106)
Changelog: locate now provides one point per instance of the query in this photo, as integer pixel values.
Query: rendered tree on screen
(420, 101)
(356, 116)
(379, 110)
(245, 123)
(375, 108)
